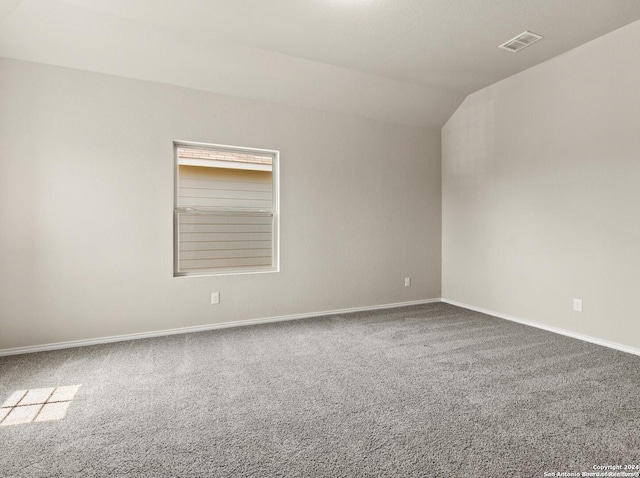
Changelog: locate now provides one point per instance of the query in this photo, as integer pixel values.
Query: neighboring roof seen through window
(224, 159)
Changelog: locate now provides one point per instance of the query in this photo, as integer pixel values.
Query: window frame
(275, 211)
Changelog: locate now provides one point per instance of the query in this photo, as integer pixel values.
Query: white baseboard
(240, 323)
(568, 333)
(200, 328)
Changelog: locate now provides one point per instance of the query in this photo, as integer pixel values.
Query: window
(226, 210)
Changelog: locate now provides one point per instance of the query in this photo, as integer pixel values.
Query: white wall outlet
(577, 305)
(407, 281)
(215, 297)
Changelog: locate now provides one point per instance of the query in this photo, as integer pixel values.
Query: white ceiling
(407, 61)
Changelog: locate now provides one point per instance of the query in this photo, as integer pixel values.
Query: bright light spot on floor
(39, 395)
(52, 411)
(20, 415)
(37, 405)
(15, 397)
(64, 394)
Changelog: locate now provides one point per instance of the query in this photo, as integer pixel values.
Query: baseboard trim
(200, 328)
(549, 328)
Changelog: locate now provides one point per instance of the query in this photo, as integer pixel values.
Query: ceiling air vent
(521, 41)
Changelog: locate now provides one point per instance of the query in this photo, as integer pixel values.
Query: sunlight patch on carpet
(37, 405)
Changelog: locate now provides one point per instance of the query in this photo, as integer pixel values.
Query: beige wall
(541, 192)
(86, 197)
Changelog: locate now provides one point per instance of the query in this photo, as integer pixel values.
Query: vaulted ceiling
(406, 61)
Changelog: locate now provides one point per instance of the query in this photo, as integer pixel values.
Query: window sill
(226, 273)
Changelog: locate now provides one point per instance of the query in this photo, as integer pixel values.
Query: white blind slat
(224, 253)
(226, 219)
(246, 203)
(225, 194)
(215, 184)
(220, 245)
(213, 228)
(225, 263)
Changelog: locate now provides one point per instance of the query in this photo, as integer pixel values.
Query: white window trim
(276, 210)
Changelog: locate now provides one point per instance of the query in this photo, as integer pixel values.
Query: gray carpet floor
(431, 390)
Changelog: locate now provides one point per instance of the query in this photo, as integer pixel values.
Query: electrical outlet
(215, 297)
(577, 305)
(407, 281)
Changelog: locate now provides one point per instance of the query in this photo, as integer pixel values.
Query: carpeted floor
(431, 390)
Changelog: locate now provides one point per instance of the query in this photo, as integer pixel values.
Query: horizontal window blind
(225, 218)
(220, 240)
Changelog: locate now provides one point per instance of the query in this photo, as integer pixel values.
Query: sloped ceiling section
(59, 34)
(408, 61)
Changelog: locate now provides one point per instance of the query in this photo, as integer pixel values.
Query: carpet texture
(432, 390)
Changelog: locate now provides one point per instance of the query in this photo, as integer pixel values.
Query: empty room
(319, 238)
